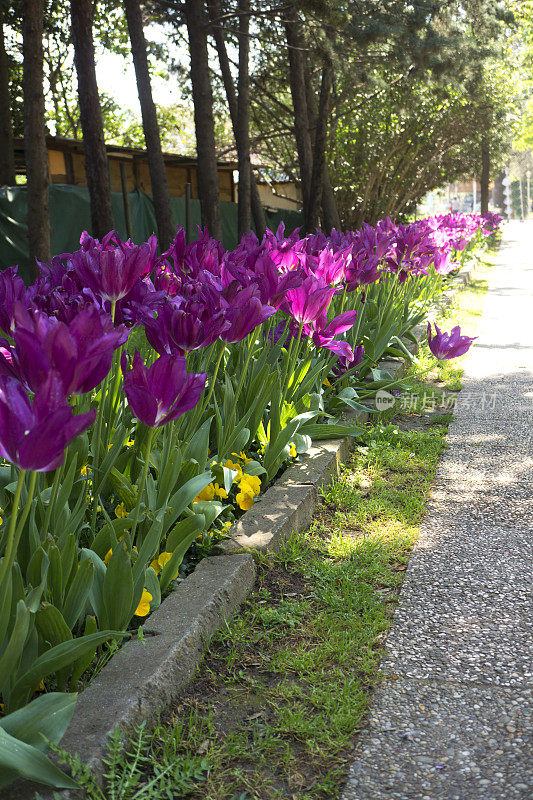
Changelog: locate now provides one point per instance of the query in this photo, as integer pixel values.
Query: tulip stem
(244, 370)
(212, 383)
(142, 484)
(115, 395)
(96, 449)
(55, 487)
(227, 431)
(291, 362)
(27, 507)
(7, 561)
(98, 435)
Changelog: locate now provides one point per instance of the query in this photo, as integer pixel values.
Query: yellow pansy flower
(121, 511)
(249, 486)
(251, 483)
(206, 494)
(326, 382)
(242, 455)
(144, 606)
(159, 562)
(292, 450)
(220, 492)
(245, 500)
(83, 470)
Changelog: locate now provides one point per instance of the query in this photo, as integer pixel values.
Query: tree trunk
(319, 149)
(243, 120)
(330, 211)
(208, 188)
(96, 165)
(231, 95)
(34, 133)
(7, 154)
(299, 101)
(498, 194)
(485, 173)
(156, 163)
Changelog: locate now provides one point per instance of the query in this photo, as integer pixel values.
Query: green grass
(284, 687)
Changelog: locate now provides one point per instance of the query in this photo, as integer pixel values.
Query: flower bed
(145, 402)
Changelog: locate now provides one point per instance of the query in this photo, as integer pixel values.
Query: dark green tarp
(70, 216)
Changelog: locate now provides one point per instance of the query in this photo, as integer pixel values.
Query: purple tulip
(162, 392)
(189, 327)
(112, 268)
(140, 303)
(448, 345)
(12, 290)
(80, 353)
(271, 283)
(443, 263)
(34, 436)
(343, 365)
(309, 301)
(331, 265)
(244, 313)
(362, 271)
(324, 335)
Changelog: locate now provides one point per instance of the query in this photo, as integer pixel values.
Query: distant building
(66, 164)
(280, 194)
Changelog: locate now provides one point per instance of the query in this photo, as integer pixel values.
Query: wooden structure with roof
(128, 168)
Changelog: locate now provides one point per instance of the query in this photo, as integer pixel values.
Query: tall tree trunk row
(485, 173)
(34, 132)
(7, 155)
(96, 165)
(243, 121)
(156, 163)
(310, 130)
(297, 80)
(208, 187)
(319, 148)
(231, 96)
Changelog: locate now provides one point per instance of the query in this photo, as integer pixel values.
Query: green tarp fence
(70, 216)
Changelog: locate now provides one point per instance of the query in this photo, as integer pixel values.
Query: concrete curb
(289, 505)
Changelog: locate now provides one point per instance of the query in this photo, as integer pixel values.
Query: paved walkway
(452, 717)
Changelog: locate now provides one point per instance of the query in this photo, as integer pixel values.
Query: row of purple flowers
(61, 332)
